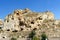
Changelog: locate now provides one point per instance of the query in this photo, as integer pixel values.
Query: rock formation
(24, 21)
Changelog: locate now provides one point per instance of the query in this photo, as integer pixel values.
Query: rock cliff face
(24, 21)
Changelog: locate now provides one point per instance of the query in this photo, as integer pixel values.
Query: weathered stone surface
(22, 22)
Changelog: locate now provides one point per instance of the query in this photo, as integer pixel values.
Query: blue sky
(8, 6)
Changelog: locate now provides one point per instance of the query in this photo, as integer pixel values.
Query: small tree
(44, 37)
(31, 35)
(35, 38)
(13, 38)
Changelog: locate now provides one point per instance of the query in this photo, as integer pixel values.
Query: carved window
(19, 19)
(32, 22)
(35, 29)
(21, 23)
(21, 29)
(17, 13)
(26, 25)
(40, 18)
(0, 27)
(12, 18)
(38, 24)
(3, 37)
(8, 29)
(15, 31)
(7, 20)
(29, 26)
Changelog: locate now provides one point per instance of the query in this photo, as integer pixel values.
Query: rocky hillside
(21, 22)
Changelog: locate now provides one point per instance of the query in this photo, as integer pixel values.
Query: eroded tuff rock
(25, 18)
(24, 21)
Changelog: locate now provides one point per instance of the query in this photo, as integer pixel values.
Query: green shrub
(35, 38)
(43, 36)
(13, 38)
(32, 34)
